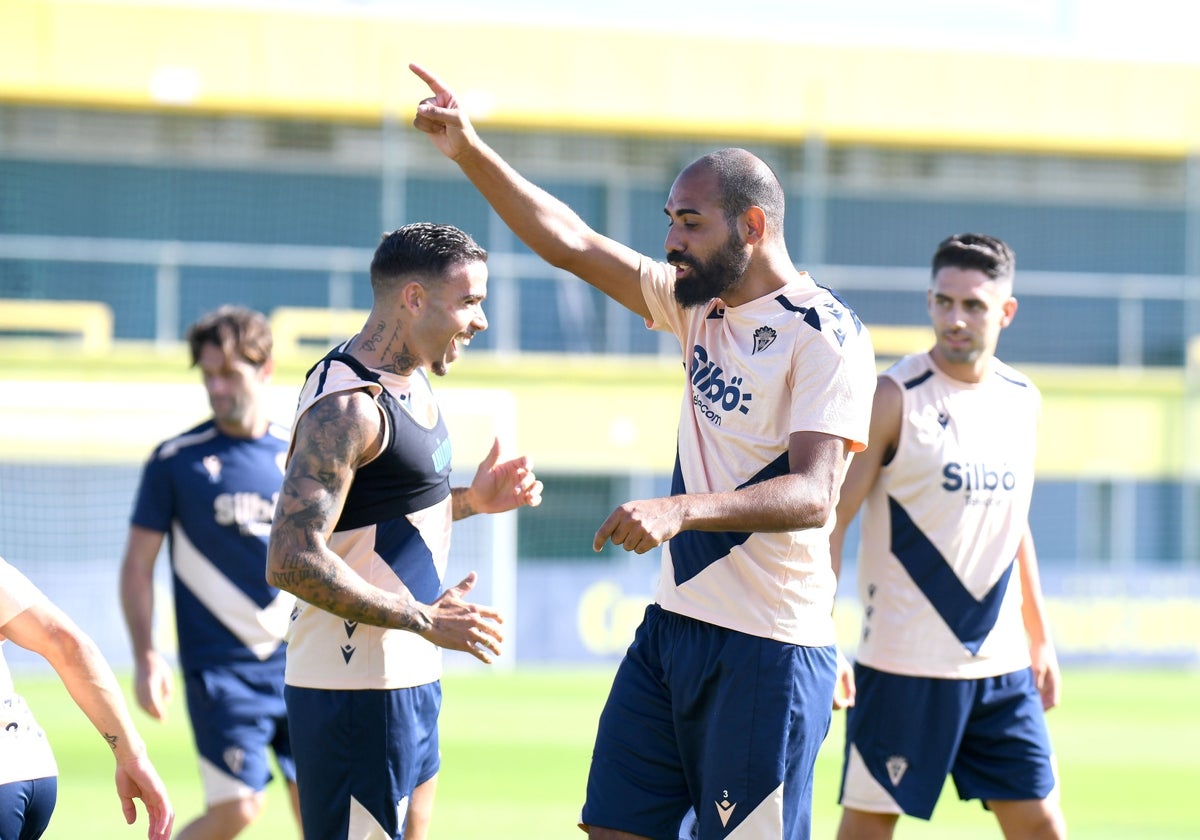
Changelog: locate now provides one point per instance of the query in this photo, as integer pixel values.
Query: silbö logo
(974, 477)
(708, 381)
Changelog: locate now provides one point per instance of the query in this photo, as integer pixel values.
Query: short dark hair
(745, 181)
(422, 248)
(239, 333)
(977, 251)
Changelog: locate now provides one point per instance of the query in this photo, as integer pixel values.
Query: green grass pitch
(516, 744)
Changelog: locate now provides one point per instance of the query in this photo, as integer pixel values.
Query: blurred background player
(362, 537)
(213, 490)
(28, 772)
(955, 665)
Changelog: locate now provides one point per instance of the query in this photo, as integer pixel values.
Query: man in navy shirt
(213, 490)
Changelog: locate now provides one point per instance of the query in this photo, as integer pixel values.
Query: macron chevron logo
(725, 810)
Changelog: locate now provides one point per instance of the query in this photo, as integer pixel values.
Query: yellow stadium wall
(351, 63)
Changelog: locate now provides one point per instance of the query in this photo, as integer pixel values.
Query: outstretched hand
(642, 525)
(503, 485)
(459, 625)
(441, 117)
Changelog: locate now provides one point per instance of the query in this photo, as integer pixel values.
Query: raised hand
(502, 485)
(441, 117)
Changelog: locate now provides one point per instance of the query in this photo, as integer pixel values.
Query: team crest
(764, 337)
(212, 466)
(234, 758)
(897, 765)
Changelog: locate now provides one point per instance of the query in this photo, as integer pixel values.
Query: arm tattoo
(460, 503)
(331, 439)
(111, 740)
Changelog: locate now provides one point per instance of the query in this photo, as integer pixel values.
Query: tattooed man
(361, 536)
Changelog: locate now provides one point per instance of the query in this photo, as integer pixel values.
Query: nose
(672, 243)
(480, 321)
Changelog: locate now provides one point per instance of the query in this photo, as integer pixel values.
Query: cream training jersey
(937, 572)
(794, 360)
(24, 751)
(394, 529)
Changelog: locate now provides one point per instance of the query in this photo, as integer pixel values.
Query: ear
(413, 296)
(1010, 309)
(755, 221)
(267, 369)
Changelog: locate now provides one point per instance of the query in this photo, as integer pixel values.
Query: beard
(713, 277)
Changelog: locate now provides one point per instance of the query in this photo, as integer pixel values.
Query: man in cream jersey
(954, 664)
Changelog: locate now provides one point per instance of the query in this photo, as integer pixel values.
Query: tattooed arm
(46, 630)
(332, 438)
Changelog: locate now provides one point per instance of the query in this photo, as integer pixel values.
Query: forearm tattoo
(330, 440)
(111, 740)
(460, 503)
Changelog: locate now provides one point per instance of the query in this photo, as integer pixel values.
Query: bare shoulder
(886, 413)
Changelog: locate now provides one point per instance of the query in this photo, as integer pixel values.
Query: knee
(237, 814)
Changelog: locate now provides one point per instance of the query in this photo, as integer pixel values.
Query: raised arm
(332, 439)
(46, 630)
(548, 226)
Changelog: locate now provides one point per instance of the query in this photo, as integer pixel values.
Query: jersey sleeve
(155, 502)
(658, 288)
(834, 387)
(17, 593)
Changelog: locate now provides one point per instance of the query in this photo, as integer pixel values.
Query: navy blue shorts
(360, 755)
(237, 713)
(905, 734)
(26, 808)
(712, 720)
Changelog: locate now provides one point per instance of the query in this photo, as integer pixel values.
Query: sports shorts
(237, 713)
(905, 734)
(26, 807)
(708, 719)
(360, 755)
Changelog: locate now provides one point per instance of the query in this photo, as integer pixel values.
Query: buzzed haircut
(238, 332)
(423, 249)
(746, 181)
(976, 251)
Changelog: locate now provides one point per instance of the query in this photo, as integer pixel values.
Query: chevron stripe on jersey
(941, 526)
(968, 617)
(794, 360)
(214, 496)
